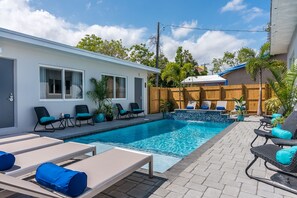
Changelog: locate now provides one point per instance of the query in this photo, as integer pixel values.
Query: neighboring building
(204, 80)
(39, 72)
(237, 75)
(283, 32)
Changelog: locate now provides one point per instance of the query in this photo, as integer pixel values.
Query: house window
(60, 84)
(116, 86)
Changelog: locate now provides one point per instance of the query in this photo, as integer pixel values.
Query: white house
(283, 33)
(204, 80)
(39, 72)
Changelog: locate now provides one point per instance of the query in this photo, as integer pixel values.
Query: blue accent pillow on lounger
(190, 107)
(204, 107)
(285, 156)
(280, 133)
(47, 119)
(6, 160)
(123, 111)
(221, 108)
(66, 181)
(83, 115)
(276, 115)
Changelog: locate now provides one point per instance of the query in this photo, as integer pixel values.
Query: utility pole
(157, 52)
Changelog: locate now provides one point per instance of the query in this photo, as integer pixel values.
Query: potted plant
(108, 111)
(99, 96)
(164, 107)
(240, 106)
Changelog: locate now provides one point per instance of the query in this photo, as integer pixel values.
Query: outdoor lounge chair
(283, 179)
(44, 119)
(25, 164)
(135, 109)
(266, 121)
(221, 105)
(102, 170)
(205, 105)
(121, 111)
(18, 137)
(290, 124)
(191, 105)
(29, 145)
(82, 114)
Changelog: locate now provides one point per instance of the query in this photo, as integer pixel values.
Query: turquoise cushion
(137, 110)
(204, 107)
(123, 111)
(276, 115)
(285, 156)
(221, 108)
(66, 181)
(83, 115)
(47, 119)
(280, 133)
(190, 107)
(6, 160)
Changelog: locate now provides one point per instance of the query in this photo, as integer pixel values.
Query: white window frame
(114, 85)
(62, 69)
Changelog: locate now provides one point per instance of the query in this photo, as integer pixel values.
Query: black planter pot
(109, 117)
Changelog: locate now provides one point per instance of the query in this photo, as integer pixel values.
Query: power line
(213, 29)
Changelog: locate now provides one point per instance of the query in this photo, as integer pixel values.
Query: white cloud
(88, 5)
(253, 13)
(18, 16)
(234, 5)
(183, 32)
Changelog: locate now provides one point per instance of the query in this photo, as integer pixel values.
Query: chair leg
(35, 126)
(249, 166)
(265, 140)
(254, 141)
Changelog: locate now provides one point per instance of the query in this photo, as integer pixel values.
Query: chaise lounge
(16, 138)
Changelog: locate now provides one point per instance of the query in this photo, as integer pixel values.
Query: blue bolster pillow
(190, 107)
(276, 115)
(6, 160)
(280, 133)
(285, 156)
(83, 115)
(66, 181)
(221, 108)
(122, 111)
(204, 107)
(47, 119)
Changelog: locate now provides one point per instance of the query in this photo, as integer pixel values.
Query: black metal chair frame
(42, 112)
(83, 109)
(267, 153)
(119, 107)
(134, 105)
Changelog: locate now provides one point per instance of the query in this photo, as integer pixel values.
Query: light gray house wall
(28, 56)
(292, 52)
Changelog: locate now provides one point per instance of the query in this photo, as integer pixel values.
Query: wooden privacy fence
(250, 92)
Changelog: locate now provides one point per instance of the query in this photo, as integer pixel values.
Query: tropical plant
(99, 93)
(278, 121)
(284, 87)
(240, 105)
(273, 104)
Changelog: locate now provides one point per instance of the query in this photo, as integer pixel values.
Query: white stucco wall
(27, 60)
(292, 52)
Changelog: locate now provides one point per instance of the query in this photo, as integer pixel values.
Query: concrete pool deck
(215, 170)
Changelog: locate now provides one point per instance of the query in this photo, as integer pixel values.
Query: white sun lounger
(28, 162)
(103, 170)
(15, 138)
(222, 104)
(29, 145)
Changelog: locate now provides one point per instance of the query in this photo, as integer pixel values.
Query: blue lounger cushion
(69, 182)
(83, 115)
(123, 111)
(47, 119)
(6, 160)
(276, 115)
(280, 133)
(190, 107)
(285, 156)
(204, 107)
(221, 108)
(137, 110)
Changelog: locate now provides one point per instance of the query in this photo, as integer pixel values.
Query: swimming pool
(175, 138)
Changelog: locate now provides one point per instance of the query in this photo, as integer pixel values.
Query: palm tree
(175, 74)
(255, 67)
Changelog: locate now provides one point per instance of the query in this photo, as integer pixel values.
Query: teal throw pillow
(285, 156)
(280, 133)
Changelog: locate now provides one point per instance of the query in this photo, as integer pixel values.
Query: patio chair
(121, 111)
(266, 121)
(102, 170)
(29, 145)
(25, 164)
(135, 109)
(290, 124)
(44, 119)
(284, 178)
(82, 114)
(191, 105)
(18, 137)
(205, 105)
(221, 105)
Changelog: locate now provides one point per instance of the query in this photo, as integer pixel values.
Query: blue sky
(134, 21)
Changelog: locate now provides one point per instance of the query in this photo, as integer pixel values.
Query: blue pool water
(169, 137)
